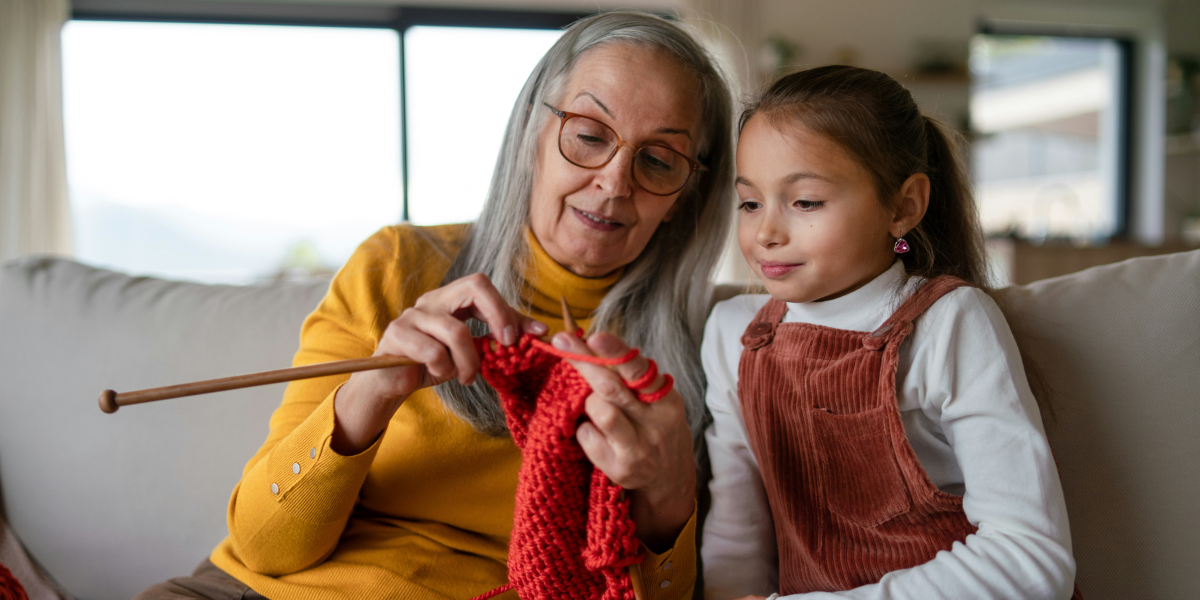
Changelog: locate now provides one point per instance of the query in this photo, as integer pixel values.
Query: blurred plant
(1183, 94)
(777, 54)
(302, 260)
(940, 56)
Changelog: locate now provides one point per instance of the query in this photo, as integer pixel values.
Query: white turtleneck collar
(864, 309)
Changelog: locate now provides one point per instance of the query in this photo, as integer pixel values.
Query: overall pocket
(861, 478)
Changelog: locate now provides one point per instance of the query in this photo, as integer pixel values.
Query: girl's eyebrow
(797, 176)
(790, 179)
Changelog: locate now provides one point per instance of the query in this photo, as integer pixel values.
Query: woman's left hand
(644, 448)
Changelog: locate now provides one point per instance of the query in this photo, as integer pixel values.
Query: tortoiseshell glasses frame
(591, 144)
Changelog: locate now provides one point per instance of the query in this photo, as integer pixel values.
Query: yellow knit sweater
(424, 513)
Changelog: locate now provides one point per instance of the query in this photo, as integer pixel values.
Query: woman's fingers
(440, 314)
(617, 439)
(645, 448)
(611, 346)
(433, 333)
(533, 326)
(441, 342)
(475, 297)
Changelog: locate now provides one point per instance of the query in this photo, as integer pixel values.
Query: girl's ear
(912, 204)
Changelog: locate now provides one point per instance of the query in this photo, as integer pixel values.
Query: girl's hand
(644, 448)
(434, 333)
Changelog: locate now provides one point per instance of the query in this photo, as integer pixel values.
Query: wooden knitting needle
(110, 401)
(568, 321)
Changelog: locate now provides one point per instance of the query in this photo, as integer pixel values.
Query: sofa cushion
(1120, 347)
(33, 581)
(110, 504)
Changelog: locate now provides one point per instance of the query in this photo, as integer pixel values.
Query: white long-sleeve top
(971, 420)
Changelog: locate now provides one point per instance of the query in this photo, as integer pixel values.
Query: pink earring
(901, 246)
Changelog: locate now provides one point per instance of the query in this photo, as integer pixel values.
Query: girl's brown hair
(876, 120)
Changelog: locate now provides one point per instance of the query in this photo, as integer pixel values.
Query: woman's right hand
(434, 333)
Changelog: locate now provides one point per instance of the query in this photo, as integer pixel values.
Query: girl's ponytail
(949, 240)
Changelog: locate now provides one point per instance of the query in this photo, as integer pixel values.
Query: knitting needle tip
(568, 321)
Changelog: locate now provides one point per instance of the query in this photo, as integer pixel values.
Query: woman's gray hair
(661, 302)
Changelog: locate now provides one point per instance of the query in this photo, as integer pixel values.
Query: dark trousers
(207, 582)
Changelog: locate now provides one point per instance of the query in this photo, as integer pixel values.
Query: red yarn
(10, 588)
(572, 536)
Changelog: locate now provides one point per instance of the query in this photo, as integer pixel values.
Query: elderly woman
(613, 190)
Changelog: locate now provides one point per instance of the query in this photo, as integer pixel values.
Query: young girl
(874, 433)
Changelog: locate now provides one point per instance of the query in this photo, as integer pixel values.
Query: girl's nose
(771, 230)
(616, 178)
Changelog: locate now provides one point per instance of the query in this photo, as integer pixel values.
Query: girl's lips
(775, 270)
(595, 222)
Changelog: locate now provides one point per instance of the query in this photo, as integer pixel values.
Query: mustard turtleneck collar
(546, 281)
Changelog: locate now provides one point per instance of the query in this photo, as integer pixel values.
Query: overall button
(667, 565)
(312, 453)
(274, 489)
(296, 468)
(665, 583)
(758, 329)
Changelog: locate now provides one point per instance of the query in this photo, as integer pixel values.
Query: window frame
(1126, 46)
(395, 18)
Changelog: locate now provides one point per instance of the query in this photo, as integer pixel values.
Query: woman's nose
(616, 178)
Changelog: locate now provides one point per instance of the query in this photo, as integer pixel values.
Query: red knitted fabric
(10, 588)
(572, 536)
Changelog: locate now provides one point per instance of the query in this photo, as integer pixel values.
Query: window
(1050, 116)
(228, 153)
(459, 93)
(267, 140)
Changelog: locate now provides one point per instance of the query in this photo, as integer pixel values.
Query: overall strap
(761, 330)
(919, 302)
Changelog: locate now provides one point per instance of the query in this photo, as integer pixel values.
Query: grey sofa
(109, 504)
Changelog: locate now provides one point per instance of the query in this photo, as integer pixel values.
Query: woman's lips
(596, 221)
(775, 270)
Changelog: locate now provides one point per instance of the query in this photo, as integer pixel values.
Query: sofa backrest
(110, 504)
(1120, 347)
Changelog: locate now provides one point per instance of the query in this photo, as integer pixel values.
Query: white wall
(884, 34)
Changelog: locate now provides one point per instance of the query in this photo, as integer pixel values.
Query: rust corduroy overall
(850, 500)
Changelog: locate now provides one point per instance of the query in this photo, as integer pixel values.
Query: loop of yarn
(595, 360)
(658, 394)
(646, 379)
(495, 592)
(572, 536)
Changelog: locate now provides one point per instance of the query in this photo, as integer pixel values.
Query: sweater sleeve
(672, 574)
(738, 548)
(967, 371)
(296, 494)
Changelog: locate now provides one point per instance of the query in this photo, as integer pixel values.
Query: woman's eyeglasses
(588, 143)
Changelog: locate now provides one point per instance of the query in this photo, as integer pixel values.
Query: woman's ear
(913, 202)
